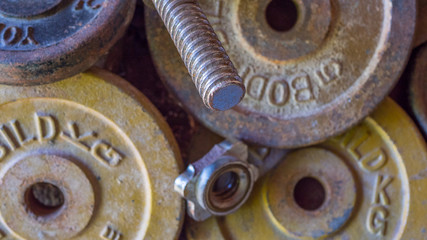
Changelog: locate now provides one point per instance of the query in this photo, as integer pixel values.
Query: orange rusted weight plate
(88, 157)
(369, 183)
(306, 83)
(418, 87)
(42, 41)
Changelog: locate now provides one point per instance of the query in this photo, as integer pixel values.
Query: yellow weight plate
(108, 157)
(369, 183)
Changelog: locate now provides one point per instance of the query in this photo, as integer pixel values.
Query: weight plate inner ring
(43, 41)
(306, 83)
(368, 183)
(74, 165)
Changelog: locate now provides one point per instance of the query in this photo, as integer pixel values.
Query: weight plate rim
(216, 228)
(55, 90)
(93, 41)
(257, 129)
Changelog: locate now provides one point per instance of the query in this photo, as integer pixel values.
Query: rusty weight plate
(105, 149)
(418, 87)
(303, 85)
(47, 40)
(369, 183)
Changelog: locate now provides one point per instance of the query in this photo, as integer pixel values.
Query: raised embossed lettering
(303, 89)
(378, 212)
(373, 160)
(256, 87)
(106, 153)
(329, 71)
(243, 72)
(110, 233)
(29, 37)
(381, 196)
(74, 137)
(90, 4)
(278, 93)
(12, 36)
(46, 127)
(8, 137)
(353, 140)
(18, 132)
(371, 157)
(300, 87)
(377, 220)
(262, 87)
(101, 150)
(13, 135)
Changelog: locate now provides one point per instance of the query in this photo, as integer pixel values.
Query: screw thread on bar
(209, 66)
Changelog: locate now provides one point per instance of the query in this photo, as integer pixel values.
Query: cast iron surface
(305, 85)
(45, 41)
(132, 60)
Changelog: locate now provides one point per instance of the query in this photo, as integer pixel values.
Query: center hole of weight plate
(225, 186)
(309, 194)
(281, 15)
(44, 199)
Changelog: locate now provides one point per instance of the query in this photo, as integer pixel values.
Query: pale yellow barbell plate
(104, 145)
(375, 182)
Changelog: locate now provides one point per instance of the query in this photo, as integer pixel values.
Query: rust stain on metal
(53, 40)
(108, 151)
(303, 85)
(369, 179)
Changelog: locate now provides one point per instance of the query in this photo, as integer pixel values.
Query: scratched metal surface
(303, 85)
(131, 59)
(46, 41)
(115, 160)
